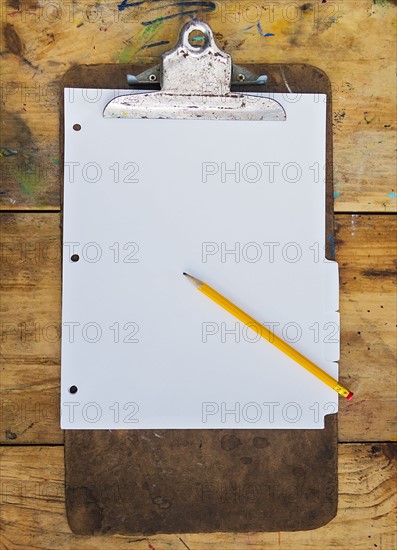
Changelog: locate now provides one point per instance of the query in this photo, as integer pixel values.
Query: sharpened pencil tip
(196, 282)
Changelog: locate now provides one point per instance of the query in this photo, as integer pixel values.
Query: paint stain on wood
(14, 4)
(14, 45)
(339, 116)
(10, 434)
(12, 40)
(368, 118)
(18, 135)
(381, 273)
(390, 451)
(19, 138)
(27, 4)
(384, 3)
(306, 7)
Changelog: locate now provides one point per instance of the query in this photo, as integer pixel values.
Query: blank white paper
(238, 204)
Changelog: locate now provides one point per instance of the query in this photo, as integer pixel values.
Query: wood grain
(32, 496)
(31, 327)
(352, 41)
(365, 250)
(30, 309)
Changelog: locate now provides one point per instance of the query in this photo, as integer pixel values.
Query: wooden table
(354, 42)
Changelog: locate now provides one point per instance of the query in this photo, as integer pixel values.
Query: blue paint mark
(259, 27)
(164, 18)
(333, 20)
(210, 6)
(332, 241)
(261, 31)
(393, 195)
(154, 44)
(199, 3)
(7, 152)
(124, 4)
(336, 194)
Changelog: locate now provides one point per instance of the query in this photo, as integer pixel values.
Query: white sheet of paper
(238, 204)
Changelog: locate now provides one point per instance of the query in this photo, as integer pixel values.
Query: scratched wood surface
(32, 496)
(31, 326)
(352, 40)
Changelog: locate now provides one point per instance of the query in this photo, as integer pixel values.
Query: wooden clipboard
(135, 482)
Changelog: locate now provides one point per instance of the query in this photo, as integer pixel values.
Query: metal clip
(195, 79)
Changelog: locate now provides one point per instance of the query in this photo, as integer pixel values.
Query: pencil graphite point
(196, 282)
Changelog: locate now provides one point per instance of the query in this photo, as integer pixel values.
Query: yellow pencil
(264, 332)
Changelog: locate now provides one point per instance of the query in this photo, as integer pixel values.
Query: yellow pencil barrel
(264, 332)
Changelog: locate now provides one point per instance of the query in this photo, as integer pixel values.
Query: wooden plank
(30, 327)
(32, 496)
(365, 250)
(30, 309)
(42, 40)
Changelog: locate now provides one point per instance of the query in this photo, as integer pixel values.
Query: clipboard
(216, 480)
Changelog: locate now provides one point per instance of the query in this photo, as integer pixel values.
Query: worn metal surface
(195, 83)
(240, 75)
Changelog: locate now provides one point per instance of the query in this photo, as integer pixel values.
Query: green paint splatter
(393, 195)
(26, 179)
(145, 36)
(127, 54)
(28, 182)
(384, 3)
(336, 194)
